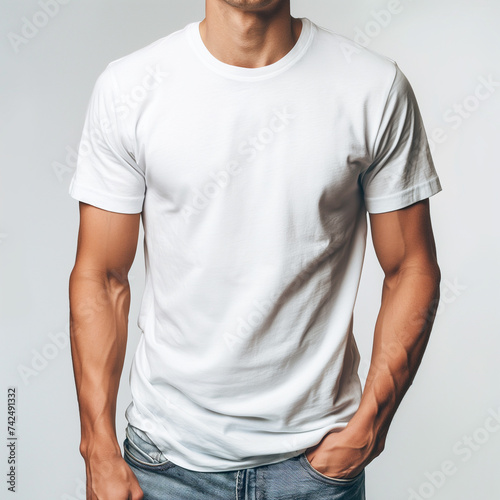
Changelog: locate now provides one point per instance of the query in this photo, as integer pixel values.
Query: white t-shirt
(254, 185)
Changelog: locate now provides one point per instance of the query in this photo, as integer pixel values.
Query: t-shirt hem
(403, 198)
(106, 201)
(210, 462)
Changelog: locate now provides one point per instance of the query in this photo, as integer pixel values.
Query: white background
(444, 48)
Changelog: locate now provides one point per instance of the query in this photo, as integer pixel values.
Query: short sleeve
(402, 171)
(107, 175)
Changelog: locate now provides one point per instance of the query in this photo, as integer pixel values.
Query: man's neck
(249, 39)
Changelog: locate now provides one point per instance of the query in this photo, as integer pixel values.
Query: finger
(137, 495)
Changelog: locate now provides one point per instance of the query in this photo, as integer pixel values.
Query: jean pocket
(142, 453)
(324, 478)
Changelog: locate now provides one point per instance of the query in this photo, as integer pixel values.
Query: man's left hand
(342, 454)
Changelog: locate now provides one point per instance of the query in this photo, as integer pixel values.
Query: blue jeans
(291, 479)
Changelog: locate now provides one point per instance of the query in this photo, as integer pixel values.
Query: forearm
(99, 308)
(402, 330)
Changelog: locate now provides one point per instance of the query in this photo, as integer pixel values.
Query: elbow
(117, 277)
(433, 271)
(112, 277)
(97, 287)
(424, 268)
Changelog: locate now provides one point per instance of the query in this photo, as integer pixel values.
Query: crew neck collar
(242, 73)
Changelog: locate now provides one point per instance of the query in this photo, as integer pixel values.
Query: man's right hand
(111, 479)
(99, 295)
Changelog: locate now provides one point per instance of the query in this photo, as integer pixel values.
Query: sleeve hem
(106, 201)
(403, 198)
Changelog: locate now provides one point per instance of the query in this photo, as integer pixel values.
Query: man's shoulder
(152, 58)
(354, 60)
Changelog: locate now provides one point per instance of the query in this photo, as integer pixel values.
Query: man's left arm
(404, 245)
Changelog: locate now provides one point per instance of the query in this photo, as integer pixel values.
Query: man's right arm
(99, 296)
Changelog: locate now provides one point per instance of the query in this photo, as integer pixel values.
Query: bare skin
(99, 304)
(247, 33)
(404, 244)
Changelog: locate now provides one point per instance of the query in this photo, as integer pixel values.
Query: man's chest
(289, 141)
